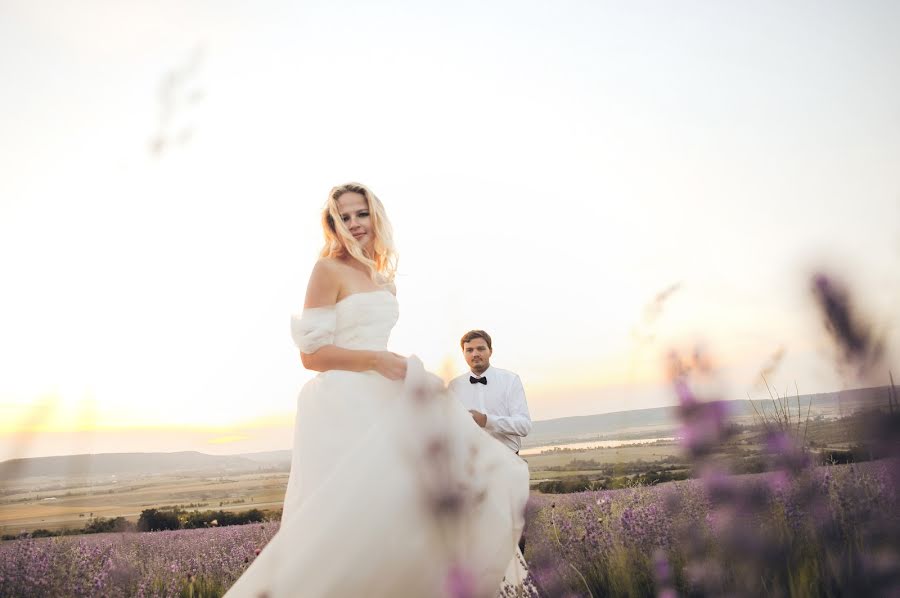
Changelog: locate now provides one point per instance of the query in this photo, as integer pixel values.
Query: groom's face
(477, 355)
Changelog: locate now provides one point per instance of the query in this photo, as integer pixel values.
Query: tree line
(153, 520)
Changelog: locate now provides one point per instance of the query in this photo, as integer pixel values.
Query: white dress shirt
(502, 399)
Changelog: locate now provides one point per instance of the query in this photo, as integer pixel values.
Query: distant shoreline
(591, 444)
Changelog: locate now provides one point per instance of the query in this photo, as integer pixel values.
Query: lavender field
(830, 531)
(201, 562)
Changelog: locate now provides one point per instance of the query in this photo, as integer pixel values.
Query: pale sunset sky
(549, 168)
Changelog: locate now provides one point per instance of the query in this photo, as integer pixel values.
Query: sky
(595, 184)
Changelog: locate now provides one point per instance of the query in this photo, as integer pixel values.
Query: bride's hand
(390, 365)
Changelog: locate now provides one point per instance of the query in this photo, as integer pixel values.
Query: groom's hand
(479, 417)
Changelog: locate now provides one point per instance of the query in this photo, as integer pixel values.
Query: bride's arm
(331, 357)
(322, 291)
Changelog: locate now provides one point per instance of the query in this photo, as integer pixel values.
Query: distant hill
(638, 423)
(127, 464)
(662, 420)
(269, 458)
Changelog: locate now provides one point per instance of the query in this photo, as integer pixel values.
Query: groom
(494, 397)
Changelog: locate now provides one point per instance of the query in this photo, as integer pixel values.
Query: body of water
(536, 450)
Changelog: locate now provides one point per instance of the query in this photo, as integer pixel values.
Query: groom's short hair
(472, 335)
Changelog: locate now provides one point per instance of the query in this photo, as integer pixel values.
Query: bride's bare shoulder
(328, 262)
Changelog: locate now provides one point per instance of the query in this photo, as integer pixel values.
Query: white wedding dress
(394, 491)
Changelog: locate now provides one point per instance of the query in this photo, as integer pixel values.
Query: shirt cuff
(491, 423)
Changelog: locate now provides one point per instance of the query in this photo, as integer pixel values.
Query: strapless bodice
(365, 320)
(358, 321)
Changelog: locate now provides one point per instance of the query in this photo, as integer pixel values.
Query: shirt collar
(483, 374)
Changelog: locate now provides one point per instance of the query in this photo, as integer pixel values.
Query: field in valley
(60, 503)
(55, 504)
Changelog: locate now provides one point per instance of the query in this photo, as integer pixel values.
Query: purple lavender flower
(854, 338)
(460, 583)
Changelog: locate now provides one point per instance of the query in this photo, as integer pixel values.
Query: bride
(394, 491)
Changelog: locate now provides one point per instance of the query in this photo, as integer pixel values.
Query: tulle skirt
(394, 491)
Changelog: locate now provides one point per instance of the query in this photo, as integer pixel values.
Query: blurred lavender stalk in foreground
(796, 530)
(857, 346)
(746, 551)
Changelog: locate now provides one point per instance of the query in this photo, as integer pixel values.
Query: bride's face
(354, 211)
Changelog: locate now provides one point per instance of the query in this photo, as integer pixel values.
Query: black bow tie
(474, 380)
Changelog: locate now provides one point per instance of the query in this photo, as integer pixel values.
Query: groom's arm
(518, 422)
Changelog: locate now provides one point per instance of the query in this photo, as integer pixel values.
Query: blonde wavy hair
(340, 243)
